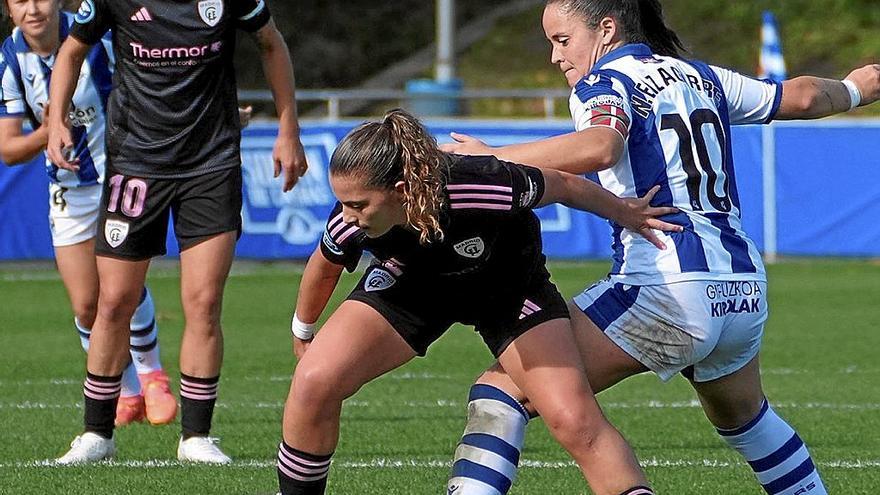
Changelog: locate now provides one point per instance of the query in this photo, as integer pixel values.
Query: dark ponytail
(640, 20)
(661, 39)
(398, 149)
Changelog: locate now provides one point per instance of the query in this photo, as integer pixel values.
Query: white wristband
(855, 96)
(300, 330)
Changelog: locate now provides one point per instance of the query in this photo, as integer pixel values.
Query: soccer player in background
(463, 230)
(26, 63)
(173, 146)
(647, 118)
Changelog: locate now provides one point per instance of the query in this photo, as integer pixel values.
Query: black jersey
(491, 233)
(173, 109)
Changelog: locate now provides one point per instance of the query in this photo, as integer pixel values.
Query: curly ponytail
(399, 149)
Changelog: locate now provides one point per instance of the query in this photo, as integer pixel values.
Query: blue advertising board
(827, 192)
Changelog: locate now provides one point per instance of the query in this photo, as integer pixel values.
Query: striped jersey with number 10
(25, 92)
(675, 117)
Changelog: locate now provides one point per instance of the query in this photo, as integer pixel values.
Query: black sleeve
(251, 15)
(92, 20)
(487, 183)
(342, 243)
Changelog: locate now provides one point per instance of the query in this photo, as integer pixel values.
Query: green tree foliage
(827, 38)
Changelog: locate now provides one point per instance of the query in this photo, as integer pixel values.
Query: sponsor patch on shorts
(115, 232)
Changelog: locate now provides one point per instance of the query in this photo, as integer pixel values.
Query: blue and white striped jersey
(25, 91)
(675, 117)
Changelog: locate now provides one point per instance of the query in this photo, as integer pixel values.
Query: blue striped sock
(776, 454)
(487, 457)
(144, 340)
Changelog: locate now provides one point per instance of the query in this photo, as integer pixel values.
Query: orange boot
(129, 410)
(160, 403)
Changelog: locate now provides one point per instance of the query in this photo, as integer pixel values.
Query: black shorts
(421, 310)
(133, 219)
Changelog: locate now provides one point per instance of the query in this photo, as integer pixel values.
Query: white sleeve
(11, 99)
(749, 101)
(600, 101)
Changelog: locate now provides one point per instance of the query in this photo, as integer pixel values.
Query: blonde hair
(399, 148)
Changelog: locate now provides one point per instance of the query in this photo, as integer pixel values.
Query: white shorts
(713, 326)
(73, 213)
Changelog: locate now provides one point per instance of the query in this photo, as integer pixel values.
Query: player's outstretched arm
(582, 152)
(635, 214)
(65, 75)
(808, 97)
(318, 282)
(16, 147)
(288, 154)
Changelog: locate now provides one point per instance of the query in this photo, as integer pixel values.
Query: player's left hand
(301, 346)
(867, 79)
(289, 157)
(642, 218)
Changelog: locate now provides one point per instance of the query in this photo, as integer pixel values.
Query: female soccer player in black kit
(172, 142)
(460, 229)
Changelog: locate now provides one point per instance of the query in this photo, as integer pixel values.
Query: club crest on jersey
(86, 12)
(211, 11)
(379, 279)
(471, 248)
(115, 232)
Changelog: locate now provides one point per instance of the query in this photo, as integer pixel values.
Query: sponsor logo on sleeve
(528, 197)
(379, 279)
(603, 100)
(331, 245)
(470, 248)
(211, 11)
(115, 232)
(86, 12)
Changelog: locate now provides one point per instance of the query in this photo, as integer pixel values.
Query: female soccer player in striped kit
(25, 68)
(461, 228)
(647, 118)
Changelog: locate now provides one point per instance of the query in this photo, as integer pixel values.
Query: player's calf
(487, 457)
(776, 454)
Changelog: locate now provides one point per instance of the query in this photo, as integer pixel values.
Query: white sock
(144, 340)
(131, 386)
(487, 457)
(776, 454)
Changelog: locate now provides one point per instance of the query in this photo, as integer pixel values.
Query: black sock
(197, 398)
(101, 395)
(301, 473)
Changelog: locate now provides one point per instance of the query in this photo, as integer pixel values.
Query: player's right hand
(466, 145)
(59, 145)
(643, 218)
(867, 79)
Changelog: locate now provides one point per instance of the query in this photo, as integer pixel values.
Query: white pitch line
(451, 404)
(415, 376)
(386, 463)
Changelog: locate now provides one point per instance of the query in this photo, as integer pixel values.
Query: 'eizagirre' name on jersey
(675, 117)
(173, 111)
(490, 230)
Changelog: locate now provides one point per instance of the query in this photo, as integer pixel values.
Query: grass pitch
(398, 433)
